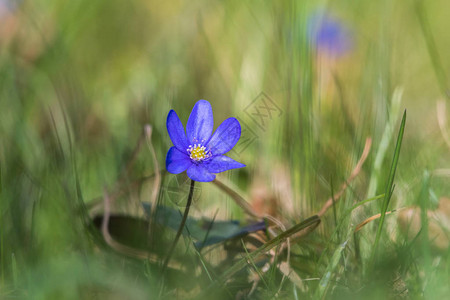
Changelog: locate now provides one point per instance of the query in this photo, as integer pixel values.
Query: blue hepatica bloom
(199, 152)
(329, 35)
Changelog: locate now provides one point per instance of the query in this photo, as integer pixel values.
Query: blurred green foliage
(80, 79)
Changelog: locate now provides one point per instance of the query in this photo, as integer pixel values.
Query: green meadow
(343, 107)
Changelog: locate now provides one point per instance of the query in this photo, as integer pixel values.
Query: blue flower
(199, 152)
(329, 35)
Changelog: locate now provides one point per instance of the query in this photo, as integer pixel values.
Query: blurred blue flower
(7, 7)
(198, 152)
(329, 35)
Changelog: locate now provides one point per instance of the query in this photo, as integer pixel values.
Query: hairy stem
(180, 229)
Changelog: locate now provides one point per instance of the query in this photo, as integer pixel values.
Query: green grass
(389, 185)
(79, 82)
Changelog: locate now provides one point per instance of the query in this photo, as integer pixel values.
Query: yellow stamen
(198, 152)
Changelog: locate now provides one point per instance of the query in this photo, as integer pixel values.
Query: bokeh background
(79, 80)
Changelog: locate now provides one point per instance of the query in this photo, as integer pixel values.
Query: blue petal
(225, 137)
(200, 173)
(176, 131)
(177, 161)
(222, 163)
(200, 123)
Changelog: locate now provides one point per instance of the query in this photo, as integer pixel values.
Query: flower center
(198, 152)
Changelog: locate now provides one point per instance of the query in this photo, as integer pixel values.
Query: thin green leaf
(389, 186)
(386, 138)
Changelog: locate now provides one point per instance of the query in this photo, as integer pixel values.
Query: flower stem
(180, 229)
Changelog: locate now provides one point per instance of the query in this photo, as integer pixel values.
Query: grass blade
(385, 141)
(15, 276)
(314, 220)
(432, 48)
(389, 187)
(335, 259)
(1, 186)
